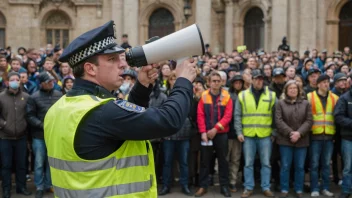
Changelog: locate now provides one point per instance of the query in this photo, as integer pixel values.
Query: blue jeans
(320, 150)
(346, 151)
(250, 147)
(19, 149)
(182, 147)
(42, 178)
(298, 155)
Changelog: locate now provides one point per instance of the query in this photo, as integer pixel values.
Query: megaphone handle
(179, 61)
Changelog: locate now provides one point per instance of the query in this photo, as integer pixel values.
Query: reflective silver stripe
(108, 191)
(140, 160)
(323, 123)
(256, 114)
(244, 101)
(256, 126)
(323, 114)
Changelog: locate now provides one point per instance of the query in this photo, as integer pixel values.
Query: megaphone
(179, 45)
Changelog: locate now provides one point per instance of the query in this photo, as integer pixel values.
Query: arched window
(254, 29)
(161, 23)
(2, 30)
(345, 26)
(57, 26)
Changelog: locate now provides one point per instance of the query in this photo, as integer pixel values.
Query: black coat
(37, 106)
(343, 115)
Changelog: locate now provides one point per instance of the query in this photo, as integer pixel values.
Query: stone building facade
(225, 24)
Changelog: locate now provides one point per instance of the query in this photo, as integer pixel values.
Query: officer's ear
(90, 68)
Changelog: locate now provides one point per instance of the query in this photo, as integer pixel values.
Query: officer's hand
(240, 138)
(148, 74)
(187, 69)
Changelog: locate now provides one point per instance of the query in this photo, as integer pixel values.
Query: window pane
(65, 38)
(57, 37)
(49, 36)
(2, 38)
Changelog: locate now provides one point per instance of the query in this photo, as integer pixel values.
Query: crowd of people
(252, 112)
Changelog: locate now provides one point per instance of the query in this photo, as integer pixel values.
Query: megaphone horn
(186, 42)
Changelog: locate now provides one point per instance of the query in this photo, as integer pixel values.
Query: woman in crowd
(67, 84)
(32, 70)
(293, 118)
(165, 72)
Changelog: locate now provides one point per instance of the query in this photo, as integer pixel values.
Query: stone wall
(306, 23)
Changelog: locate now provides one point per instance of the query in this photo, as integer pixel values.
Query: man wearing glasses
(214, 115)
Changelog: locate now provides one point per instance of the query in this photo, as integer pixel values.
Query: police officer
(97, 145)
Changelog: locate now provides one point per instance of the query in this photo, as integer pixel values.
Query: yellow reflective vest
(323, 119)
(128, 172)
(257, 121)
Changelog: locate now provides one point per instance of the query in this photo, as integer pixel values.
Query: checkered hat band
(92, 49)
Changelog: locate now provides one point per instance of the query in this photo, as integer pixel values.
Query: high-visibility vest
(128, 172)
(257, 121)
(208, 102)
(323, 119)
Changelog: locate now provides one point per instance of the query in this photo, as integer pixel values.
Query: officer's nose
(123, 64)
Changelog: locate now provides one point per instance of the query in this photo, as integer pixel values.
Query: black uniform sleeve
(119, 124)
(139, 94)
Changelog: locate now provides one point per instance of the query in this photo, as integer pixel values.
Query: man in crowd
(254, 124)
(343, 117)
(214, 115)
(340, 81)
(323, 103)
(313, 75)
(13, 129)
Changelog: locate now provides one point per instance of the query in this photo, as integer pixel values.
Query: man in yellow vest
(323, 103)
(254, 121)
(97, 146)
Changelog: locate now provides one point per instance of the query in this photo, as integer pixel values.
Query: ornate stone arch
(332, 24)
(2, 30)
(240, 10)
(56, 18)
(148, 10)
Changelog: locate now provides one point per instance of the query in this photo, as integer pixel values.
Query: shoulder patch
(129, 106)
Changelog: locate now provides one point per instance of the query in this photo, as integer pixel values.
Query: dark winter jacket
(343, 115)
(13, 124)
(37, 106)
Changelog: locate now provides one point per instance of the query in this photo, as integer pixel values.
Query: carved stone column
(203, 18)
(279, 22)
(229, 26)
(238, 34)
(130, 16)
(308, 25)
(117, 16)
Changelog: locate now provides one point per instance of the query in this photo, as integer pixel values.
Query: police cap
(100, 40)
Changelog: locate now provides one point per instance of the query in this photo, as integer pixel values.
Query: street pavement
(176, 192)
